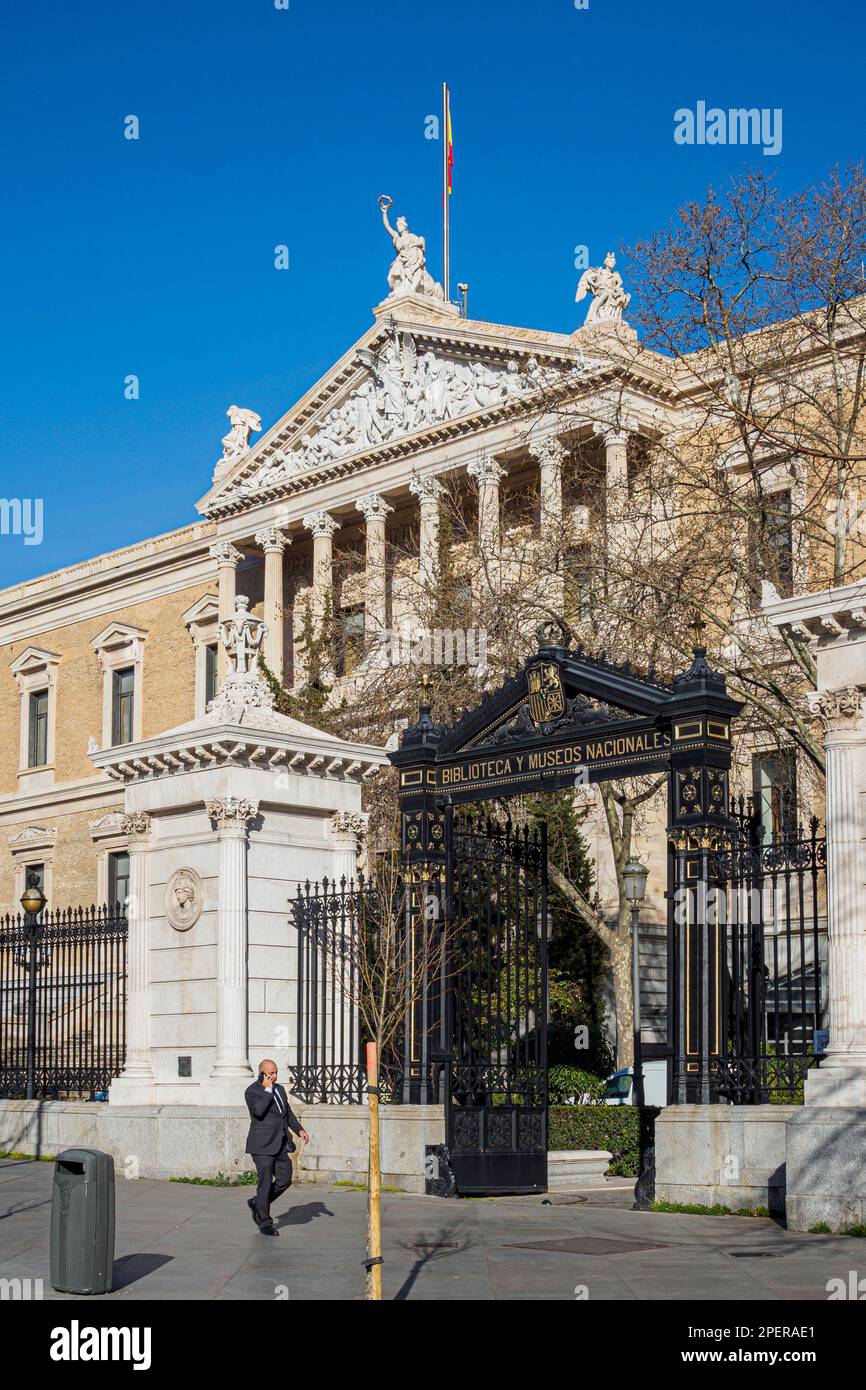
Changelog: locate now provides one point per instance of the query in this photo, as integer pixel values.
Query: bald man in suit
(269, 1142)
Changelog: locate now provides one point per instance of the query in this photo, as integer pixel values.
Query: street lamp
(33, 901)
(634, 877)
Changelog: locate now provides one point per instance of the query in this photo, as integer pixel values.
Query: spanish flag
(450, 143)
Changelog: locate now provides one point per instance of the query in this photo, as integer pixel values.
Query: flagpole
(445, 200)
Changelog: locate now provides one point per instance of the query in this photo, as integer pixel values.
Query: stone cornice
(231, 745)
(824, 616)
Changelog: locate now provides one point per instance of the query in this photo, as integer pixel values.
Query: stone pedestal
(826, 1168)
(232, 813)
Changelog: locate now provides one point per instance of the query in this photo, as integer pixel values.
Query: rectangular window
(118, 880)
(123, 699)
(210, 672)
(772, 546)
(775, 794)
(38, 741)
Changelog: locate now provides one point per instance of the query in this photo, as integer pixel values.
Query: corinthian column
(375, 512)
(323, 526)
(274, 543)
(488, 472)
(134, 1083)
(615, 459)
(428, 491)
(232, 817)
(227, 557)
(347, 830)
(841, 1078)
(550, 454)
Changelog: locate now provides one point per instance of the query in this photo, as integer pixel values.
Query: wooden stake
(374, 1205)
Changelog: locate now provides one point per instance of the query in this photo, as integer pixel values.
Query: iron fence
(340, 957)
(762, 914)
(62, 1002)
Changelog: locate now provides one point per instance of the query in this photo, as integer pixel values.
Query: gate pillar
(424, 840)
(697, 829)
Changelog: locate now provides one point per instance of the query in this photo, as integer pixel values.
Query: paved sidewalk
(176, 1241)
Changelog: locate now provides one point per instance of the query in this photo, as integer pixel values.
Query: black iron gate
(62, 1003)
(752, 923)
(496, 1087)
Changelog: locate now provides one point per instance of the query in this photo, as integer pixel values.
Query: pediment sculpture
(407, 390)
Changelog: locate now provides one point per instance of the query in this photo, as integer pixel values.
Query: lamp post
(33, 902)
(634, 880)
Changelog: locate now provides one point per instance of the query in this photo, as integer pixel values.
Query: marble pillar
(274, 543)
(375, 511)
(348, 829)
(488, 473)
(322, 525)
(134, 1085)
(232, 817)
(227, 557)
(841, 1078)
(550, 454)
(428, 491)
(616, 462)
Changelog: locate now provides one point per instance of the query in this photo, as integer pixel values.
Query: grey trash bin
(82, 1222)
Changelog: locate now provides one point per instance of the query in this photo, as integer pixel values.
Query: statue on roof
(237, 442)
(408, 273)
(609, 299)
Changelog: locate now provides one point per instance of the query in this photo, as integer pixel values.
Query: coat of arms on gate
(546, 698)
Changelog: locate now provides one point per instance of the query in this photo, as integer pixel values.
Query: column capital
(225, 554)
(349, 825)
(486, 469)
(611, 434)
(137, 829)
(321, 523)
(272, 540)
(548, 450)
(838, 710)
(374, 507)
(425, 489)
(232, 813)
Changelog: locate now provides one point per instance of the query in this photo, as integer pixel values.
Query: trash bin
(82, 1222)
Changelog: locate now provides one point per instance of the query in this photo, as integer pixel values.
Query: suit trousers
(275, 1178)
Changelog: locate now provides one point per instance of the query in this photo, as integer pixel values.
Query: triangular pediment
(33, 659)
(402, 381)
(560, 693)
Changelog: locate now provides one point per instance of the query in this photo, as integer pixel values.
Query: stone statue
(242, 636)
(408, 274)
(237, 441)
(609, 298)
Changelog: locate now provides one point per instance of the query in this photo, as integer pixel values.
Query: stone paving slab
(180, 1241)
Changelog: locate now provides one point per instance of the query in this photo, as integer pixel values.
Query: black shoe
(254, 1211)
(268, 1231)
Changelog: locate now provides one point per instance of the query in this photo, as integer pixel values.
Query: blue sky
(262, 126)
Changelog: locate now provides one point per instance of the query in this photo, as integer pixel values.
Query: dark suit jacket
(269, 1130)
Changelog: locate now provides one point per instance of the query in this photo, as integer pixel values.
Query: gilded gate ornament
(546, 698)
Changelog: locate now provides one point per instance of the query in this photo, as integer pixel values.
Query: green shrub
(612, 1127)
(564, 1083)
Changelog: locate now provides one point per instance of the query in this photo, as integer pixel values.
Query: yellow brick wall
(73, 858)
(168, 694)
(168, 689)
